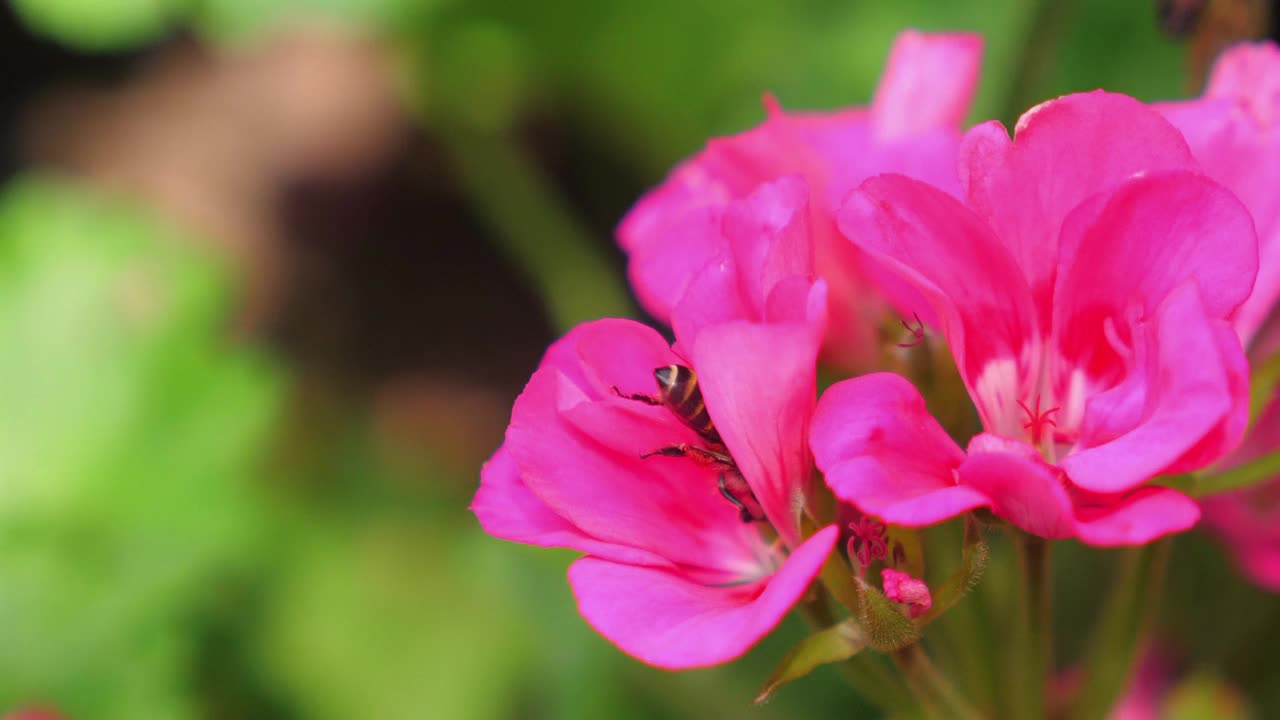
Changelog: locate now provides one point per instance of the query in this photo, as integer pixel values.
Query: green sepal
(973, 562)
(886, 627)
(838, 642)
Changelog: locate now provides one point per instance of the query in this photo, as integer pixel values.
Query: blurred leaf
(127, 436)
(838, 642)
(480, 76)
(101, 24)
(1203, 696)
(241, 20)
(1240, 476)
(390, 618)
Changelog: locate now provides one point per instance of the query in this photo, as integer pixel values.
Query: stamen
(868, 541)
(916, 332)
(1037, 419)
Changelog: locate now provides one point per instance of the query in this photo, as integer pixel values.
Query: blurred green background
(272, 271)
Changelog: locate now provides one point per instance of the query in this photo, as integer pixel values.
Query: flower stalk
(935, 692)
(1030, 656)
(1130, 607)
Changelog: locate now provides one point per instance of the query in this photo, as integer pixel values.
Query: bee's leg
(735, 489)
(702, 455)
(641, 397)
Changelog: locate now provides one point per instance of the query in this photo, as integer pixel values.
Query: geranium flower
(1085, 287)
(1234, 132)
(911, 127)
(681, 571)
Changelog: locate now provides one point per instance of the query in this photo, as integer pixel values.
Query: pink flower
(1085, 286)
(911, 127)
(902, 588)
(1234, 131)
(677, 574)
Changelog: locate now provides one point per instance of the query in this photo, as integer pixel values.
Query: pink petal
(765, 269)
(971, 282)
(911, 501)
(674, 231)
(882, 415)
(1233, 133)
(768, 233)
(669, 235)
(597, 355)
(668, 620)
(1064, 151)
(881, 450)
(1261, 565)
(1247, 73)
(581, 456)
(507, 509)
(1186, 391)
(1144, 515)
(1149, 237)
(1225, 436)
(759, 383)
(1023, 489)
(927, 84)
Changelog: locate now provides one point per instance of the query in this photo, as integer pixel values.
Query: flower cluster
(1101, 278)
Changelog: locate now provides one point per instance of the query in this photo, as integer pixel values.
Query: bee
(678, 391)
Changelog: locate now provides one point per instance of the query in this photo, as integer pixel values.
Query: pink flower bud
(902, 588)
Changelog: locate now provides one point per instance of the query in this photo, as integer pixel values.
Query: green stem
(936, 694)
(535, 228)
(1127, 613)
(960, 641)
(1031, 651)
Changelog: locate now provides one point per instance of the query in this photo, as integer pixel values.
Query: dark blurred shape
(1211, 26)
(43, 63)
(1179, 17)
(294, 157)
(458, 420)
(393, 276)
(210, 137)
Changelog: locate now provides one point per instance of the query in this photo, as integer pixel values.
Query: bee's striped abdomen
(678, 387)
